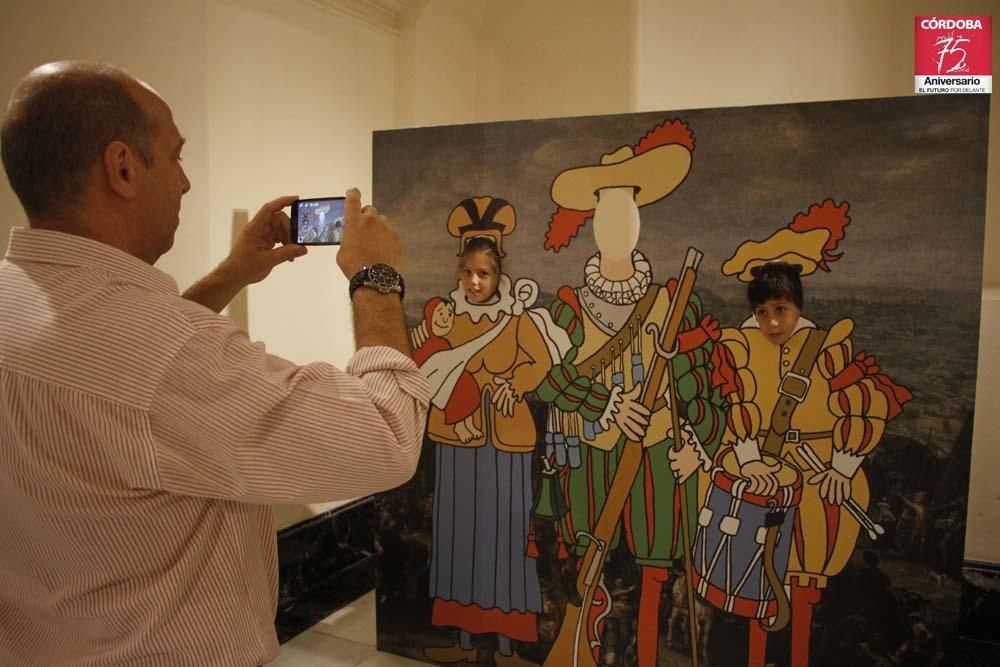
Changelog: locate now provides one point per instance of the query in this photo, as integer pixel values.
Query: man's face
(163, 182)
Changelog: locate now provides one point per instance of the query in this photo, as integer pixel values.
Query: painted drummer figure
(823, 420)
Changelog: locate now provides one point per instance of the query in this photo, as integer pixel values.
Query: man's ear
(121, 169)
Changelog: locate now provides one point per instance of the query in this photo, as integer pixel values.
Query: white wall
(161, 43)
(437, 63)
(982, 543)
(294, 92)
(485, 60)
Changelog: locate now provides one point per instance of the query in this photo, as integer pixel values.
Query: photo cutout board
(647, 445)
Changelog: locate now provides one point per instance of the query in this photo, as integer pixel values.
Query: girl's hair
(775, 280)
(483, 244)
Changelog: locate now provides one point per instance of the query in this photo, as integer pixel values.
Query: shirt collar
(50, 247)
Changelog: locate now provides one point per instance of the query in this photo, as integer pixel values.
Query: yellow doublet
(851, 421)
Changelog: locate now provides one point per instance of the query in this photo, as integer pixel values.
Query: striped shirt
(142, 439)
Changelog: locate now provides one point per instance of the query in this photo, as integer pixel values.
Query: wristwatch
(381, 277)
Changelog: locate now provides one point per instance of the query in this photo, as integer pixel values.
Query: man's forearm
(378, 320)
(215, 290)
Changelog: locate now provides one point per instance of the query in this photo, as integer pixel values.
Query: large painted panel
(812, 509)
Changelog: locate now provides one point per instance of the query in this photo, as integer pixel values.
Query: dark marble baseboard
(324, 563)
(980, 619)
(328, 561)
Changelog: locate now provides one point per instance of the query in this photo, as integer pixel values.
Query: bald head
(59, 121)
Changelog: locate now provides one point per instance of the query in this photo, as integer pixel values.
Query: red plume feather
(564, 226)
(667, 132)
(829, 216)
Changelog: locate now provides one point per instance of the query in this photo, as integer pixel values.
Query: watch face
(383, 276)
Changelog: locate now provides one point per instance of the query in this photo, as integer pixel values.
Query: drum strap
(792, 391)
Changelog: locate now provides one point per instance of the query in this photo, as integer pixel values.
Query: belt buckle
(790, 392)
(793, 436)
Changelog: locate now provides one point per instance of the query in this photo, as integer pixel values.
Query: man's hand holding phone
(254, 254)
(368, 238)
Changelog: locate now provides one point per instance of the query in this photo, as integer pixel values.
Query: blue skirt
(482, 497)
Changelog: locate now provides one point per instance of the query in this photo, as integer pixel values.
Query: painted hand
(684, 461)
(762, 477)
(631, 416)
(863, 365)
(834, 487)
(505, 398)
(419, 335)
(692, 339)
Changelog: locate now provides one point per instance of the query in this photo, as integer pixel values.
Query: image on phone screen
(318, 221)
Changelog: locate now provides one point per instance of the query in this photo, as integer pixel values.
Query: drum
(728, 554)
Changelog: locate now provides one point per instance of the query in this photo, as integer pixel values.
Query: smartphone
(318, 221)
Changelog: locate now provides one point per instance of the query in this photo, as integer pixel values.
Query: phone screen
(318, 221)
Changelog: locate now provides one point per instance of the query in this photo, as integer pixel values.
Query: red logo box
(953, 54)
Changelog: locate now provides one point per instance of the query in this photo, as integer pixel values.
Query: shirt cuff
(746, 451)
(846, 464)
(703, 458)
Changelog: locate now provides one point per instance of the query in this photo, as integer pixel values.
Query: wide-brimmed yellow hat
(654, 174)
(785, 245)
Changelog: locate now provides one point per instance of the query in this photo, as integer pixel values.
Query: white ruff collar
(803, 323)
(619, 292)
(502, 303)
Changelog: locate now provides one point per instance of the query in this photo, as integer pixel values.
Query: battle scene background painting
(546, 524)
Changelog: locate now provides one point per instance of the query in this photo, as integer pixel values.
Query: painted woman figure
(482, 580)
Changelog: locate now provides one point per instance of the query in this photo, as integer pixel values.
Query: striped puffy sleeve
(563, 385)
(230, 421)
(862, 399)
(731, 375)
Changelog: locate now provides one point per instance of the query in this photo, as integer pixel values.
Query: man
(142, 435)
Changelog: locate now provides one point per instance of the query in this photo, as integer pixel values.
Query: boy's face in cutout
(442, 319)
(777, 319)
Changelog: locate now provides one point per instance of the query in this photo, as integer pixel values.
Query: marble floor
(346, 638)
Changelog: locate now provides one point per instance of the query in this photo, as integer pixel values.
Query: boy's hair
(775, 280)
(483, 244)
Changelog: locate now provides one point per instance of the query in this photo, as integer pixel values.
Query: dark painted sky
(913, 170)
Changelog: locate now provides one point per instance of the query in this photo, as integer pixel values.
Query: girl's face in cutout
(442, 319)
(777, 319)
(479, 277)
